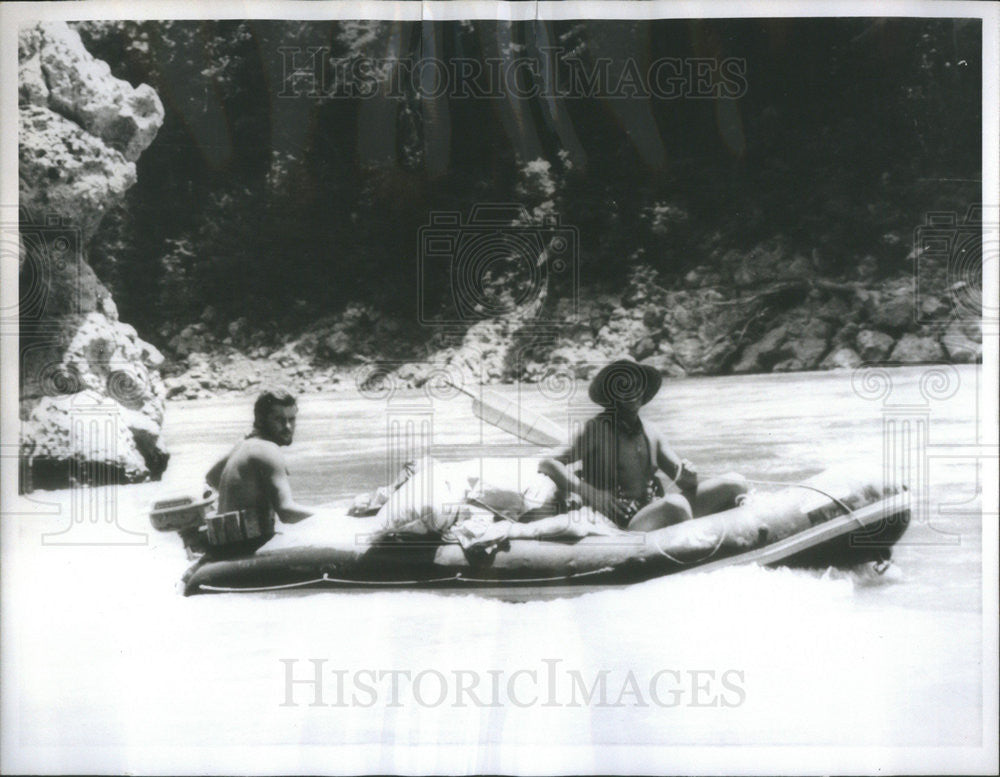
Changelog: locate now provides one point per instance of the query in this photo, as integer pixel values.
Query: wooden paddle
(511, 417)
(539, 430)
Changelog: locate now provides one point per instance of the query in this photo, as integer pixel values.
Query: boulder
(413, 374)
(645, 347)
(108, 359)
(688, 352)
(798, 267)
(717, 357)
(835, 309)
(237, 329)
(971, 328)
(961, 348)
(866, 268)
(67, 172)
(806, 353)
(81, 131)
(873, 346)
(582, 361)
(932, 308)
(623, 333)
(336, 346)
(702, 276)
(766, 262)
(665, 364)
(190, 340)
(63, 76)
(913, 349)
(652, 317)
(32, 88)
(678, 316)
(841, 359)
(846, 335)
(814, 327)
(770, 349)
(175, 387)
(80, 128)
(892, 308)
(88, 439)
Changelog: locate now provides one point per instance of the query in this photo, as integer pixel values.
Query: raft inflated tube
(861, 521)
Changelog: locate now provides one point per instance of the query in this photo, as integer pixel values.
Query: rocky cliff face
(91, 395)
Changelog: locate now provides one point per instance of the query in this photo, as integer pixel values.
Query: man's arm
(568, 481)
(215, 473)
(679, 470)
(279, 490)
(565, 526)
(556, 466)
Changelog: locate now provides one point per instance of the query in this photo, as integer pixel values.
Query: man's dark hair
(277, 397)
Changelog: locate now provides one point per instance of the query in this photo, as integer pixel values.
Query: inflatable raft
(828, 520)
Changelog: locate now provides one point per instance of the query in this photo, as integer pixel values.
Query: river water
(107, 653)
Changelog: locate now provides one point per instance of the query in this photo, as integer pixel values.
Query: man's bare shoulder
(653, 433)
(260, 450)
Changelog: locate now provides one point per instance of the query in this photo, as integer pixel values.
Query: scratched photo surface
(499, 388)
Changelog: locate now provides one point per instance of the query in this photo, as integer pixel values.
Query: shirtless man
(253, 476)
(619, 459)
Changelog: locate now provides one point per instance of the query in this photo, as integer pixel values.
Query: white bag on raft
(440, 494)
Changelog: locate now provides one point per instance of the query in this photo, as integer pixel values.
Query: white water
(108, 654)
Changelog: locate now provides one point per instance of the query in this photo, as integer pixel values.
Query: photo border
(505, 758)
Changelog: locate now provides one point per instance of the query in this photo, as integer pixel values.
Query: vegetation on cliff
(763, 229)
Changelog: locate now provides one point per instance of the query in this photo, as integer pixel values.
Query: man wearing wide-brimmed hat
(615, 462)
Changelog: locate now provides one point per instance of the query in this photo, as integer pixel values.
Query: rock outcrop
(777, 325)
(80, 132)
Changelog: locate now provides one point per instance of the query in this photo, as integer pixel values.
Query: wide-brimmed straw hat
(625, 380)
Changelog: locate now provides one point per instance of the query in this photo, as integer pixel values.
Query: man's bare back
(254, 475)
(246, 478)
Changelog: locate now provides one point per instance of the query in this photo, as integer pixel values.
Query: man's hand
(569, 483)
(602, 501)
(687, 478)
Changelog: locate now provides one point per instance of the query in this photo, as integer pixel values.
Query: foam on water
(104, 638)
(106, 650)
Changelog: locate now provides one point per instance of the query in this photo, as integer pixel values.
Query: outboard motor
(186, 515)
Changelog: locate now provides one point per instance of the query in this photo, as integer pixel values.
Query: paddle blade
(507, 415)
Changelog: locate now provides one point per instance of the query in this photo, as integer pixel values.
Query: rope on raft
(847, 510)
(458, 577)
(722, 537)
(325, 579)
